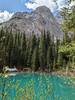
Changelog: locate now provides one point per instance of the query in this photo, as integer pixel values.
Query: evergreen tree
(2, 47)
(23, 51)
(2, 50)
(42, 51)
(50, 58)
(31, 46)
(16, 50)
(8, 46)
(35, 60)
(57, 43)
(49, 63)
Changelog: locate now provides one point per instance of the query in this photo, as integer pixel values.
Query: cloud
(61, 4)
(5, 16)
(33, 4)
(72, 3)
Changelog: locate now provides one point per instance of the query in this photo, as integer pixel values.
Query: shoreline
(55, 72)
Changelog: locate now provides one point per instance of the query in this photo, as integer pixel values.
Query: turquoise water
(30, 86)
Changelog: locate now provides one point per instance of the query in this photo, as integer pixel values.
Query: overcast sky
(9, 7)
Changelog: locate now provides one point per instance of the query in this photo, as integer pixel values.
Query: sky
(9, 7)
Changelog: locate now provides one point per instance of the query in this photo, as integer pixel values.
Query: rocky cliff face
(39, 20)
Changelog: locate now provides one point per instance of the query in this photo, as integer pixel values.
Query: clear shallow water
(28, 86)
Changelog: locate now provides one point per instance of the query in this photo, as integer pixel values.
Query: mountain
(35, 22)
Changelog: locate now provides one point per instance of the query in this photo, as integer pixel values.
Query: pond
(30, 86)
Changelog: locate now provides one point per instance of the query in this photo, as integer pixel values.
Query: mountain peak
(39, 10)
(42, 9)
(37, 21)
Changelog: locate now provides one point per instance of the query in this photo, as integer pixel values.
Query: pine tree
(35, 60)
(2, 47)
(30, 47)
(1, 50)
(16, 51)
(9, 46)
(49, 59)
(23, 51)
(48, 39)
(42, 51)
(56, 52)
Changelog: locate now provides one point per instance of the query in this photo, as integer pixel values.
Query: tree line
(36, 52)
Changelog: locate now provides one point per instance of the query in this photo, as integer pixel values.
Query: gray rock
(39, 20)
